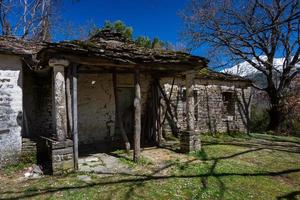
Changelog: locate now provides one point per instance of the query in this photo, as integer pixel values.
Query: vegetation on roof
(207, 73)
(127, 32)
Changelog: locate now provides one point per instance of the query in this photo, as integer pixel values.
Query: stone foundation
(189, 141)
(29, 146)
(62, 156)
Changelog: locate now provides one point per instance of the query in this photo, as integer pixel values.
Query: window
(229, 103)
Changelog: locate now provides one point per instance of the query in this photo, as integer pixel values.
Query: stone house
(221, 101)
(107, 92)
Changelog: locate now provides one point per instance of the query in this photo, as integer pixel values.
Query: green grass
(126, 158)
(222, 170)
(25, 161)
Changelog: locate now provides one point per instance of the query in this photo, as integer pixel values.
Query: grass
(25, 161)
(256, 167)
(125, 158)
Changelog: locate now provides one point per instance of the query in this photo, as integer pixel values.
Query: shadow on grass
(290, 196)
(134, 181)
(270, 146)
(274, 138)
(144, 178)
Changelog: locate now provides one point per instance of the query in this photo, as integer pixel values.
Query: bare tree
(27, 18)
(255, 31)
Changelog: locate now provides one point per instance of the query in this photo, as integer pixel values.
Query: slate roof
(209, 74)
(113, 46)
(12, 45)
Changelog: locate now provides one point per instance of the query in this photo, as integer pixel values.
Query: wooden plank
(137, 116)
(75, 115)
(118, 114)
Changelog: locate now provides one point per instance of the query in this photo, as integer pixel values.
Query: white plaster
(10, 107)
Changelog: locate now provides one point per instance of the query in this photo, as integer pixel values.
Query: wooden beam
(118, 120)
(137, 116)
(75, 114)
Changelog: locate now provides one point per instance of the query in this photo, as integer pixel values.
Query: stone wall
(96, 104)
(10, 108)
(210, 109)
(61, 156)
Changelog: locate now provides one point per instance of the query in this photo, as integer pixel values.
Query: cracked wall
(96, 105)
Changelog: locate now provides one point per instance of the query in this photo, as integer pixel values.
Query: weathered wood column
(59, 98)
(137, 116)
(190, 139)
(75, 114)
(61, 148)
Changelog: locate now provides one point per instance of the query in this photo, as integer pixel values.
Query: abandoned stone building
(107, 92)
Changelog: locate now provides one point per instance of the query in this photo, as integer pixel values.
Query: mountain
(244, 69)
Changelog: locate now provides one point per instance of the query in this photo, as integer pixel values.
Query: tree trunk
(276, 117)
(275, 112)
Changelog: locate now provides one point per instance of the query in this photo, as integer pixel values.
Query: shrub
(259, 120)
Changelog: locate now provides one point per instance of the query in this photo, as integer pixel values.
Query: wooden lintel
(149, 66)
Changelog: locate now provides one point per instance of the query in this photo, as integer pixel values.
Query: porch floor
(102, 163)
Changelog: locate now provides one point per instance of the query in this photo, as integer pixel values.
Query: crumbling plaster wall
(95, 107)
(10, 108)
(96, 104)
(210, 108)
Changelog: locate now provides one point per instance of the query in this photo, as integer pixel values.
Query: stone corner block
(190, 141)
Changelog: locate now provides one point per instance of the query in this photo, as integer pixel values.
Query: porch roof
(111, 49)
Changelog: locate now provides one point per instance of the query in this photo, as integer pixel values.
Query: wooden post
(69, 100)
(59, 98)
(75, 115)
(118, 114)
(190, 109)
(137, 116)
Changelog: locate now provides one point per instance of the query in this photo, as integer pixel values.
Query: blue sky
(153, 18)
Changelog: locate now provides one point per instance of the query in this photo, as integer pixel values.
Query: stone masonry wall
(10, 108)
(210, 108)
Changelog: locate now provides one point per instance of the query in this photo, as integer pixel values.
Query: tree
(117, 26)
(127, 31)
(28, 19)
(255, 31)
(143, 41)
